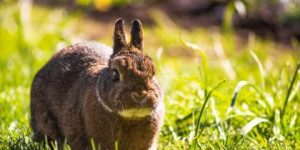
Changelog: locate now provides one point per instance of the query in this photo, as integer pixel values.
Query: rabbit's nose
(139, 97)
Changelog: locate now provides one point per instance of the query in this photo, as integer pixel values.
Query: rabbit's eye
(115, 75)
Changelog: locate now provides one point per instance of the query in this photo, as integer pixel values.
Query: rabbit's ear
(119, 36)
(137, 34)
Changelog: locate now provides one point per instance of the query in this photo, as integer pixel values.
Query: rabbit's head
(129, 87)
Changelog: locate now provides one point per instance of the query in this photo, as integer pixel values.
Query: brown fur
(65, 104)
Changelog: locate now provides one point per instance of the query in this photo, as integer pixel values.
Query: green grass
(221, 91)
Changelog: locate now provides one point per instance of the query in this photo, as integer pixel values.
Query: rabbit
(91, 93)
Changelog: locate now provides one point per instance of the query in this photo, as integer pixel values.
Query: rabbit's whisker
(113, 127)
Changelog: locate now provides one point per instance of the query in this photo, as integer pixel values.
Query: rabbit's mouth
(140, 113)
(135, 113)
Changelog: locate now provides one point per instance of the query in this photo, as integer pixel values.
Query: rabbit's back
(51, 85)
(64, 68)
(73, 59)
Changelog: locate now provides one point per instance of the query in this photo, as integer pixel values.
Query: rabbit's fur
(90, 92)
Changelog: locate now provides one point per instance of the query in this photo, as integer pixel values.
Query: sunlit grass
(221, 92)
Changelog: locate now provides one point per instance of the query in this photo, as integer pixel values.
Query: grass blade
(237, 89)
(294, 92)
(224, 61)
(93, 144)
(293, 121)
(249, 126)
(116, 145)
(290, 90)
(261, 69)
(203, 106)
(202, 55)
(218, 120)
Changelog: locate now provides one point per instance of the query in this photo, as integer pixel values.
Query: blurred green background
(229, 68)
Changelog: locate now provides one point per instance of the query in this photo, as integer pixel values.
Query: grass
(221, 91)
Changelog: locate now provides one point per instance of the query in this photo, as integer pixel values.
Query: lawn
(222, 91)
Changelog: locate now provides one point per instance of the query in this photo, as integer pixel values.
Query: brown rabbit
(88, 92)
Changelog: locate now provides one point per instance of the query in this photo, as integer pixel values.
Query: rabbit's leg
(73, 127)
(78, 142)
(43, 124)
